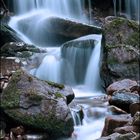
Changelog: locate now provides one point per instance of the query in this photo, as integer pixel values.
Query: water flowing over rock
(53, 30)
(74, 63)
(77, 53)
(38, 104)
(121, 51)
(135, 107)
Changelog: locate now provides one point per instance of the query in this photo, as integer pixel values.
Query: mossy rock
(122, 31)
(19, 49)
(27, 101)
(121, 51)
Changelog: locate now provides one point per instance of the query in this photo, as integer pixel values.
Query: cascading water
(64, 8)
(92, 74)
(59, 64)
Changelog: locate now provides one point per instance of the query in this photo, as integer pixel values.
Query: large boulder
(8, 35)
(125, 84)
(54, 30)
(115, 121)
(38, 104)
(121, 52)
(123, 99)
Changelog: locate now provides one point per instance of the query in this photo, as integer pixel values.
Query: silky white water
(62, 8)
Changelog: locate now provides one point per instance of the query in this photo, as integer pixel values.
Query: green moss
(39, 121)
(134, 25)
(133, 39)
(108, 46)
(36, 98)
(60, 86)
(11, 95)
(25, 54)
(58, 95)
(32, 95)
(112, 61)
(30, 79)
(117, 22)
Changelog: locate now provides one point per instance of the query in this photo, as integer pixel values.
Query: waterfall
(64, 8)
(76, 65)
(92, 78)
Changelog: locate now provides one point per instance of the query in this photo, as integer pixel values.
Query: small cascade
(77, 54)
(92, 77)
(50, 67)
(76, 117)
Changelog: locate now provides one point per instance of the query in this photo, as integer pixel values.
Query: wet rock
(38, 104)
(19, 49)
(56, 30)
(129, 136)
(125, 84)
(110, 137)
(135, 88)
(127, 129)
(123, 99)
(136, 119)
(117, 136)
(114, 121)
(134, 108)
(8, 35)
(115, 110)
(121, 52)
